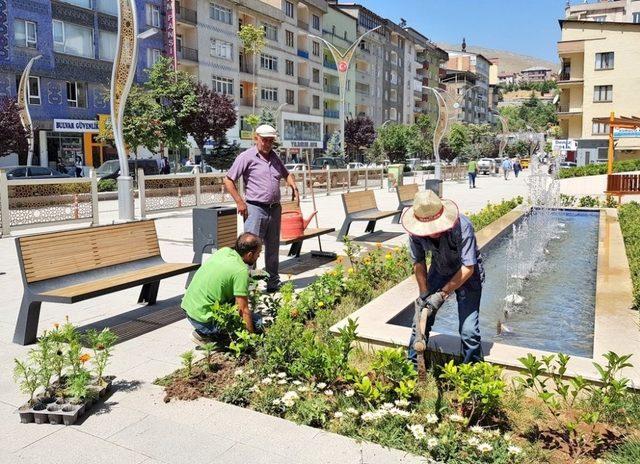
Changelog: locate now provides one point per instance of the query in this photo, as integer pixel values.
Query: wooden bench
(75, 265)
(296, 243)
(361, 206)
(405, 198)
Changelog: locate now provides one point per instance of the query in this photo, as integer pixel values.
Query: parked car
(486, 165)
(204, 169)
(33, 172)
(326, 161)
(568, 164)
(295, 167)
(111, 169)
(357, 166)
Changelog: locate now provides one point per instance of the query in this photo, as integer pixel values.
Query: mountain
(510, 62)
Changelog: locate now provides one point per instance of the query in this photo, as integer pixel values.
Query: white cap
(266, 131)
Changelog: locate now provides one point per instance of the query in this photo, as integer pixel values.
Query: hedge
(598, 169)
(629, 215)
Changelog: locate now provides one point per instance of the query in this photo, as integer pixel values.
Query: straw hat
(429, 215)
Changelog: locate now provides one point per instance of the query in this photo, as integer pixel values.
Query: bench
(361, 206)
(405, 198)
(296, 242)
(75, 265)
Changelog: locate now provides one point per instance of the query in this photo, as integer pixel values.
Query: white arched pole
(23, 102)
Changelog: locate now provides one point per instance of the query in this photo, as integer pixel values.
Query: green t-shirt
(472, 167)
(220, 279)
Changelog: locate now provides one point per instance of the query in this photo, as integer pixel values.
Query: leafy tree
(213, 116)
(458, 138)
(426, 127)
(358, 132)
(253, 42)
(223, 154)
(532, 114)
(333, 145)
(268, 116)
(396, 141)
(13, 136)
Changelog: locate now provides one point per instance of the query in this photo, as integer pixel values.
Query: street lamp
(343, 61)
(23, 102)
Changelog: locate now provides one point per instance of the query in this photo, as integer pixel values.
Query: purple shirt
(261, 177)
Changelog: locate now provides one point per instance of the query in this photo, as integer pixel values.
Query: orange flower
(56, 325)
(84, 358)
(339, 260)
(378, 245)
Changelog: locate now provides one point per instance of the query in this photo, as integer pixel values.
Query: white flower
(267, 380)
(507, 436)
(368, 417)
(432, 419)
(253, 389)
(476, 429)
(432, 443)
(271, 376)
(282, 375)
(353, 411)
(282, 382)
(399, 412)
(338, 415)
(328, 392)
(387, 406)
(321, 386)
(276, 402)
(473, 441)
(514, 449)
(296, 382)
(303, 389)
(401, 403)
(418, 431)
(289, 398)
(456, 418)
(349, 393)
(238, 372)
(485, 448)
(251, 372)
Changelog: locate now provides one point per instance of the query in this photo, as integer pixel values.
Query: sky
(529, 27)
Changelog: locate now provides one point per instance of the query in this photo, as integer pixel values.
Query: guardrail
(621, 184)
(34, 202)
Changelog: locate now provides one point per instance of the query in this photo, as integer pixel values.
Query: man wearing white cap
(261, 170)
(435, 226)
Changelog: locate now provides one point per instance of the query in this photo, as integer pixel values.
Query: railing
(568, 109)
(335, 180)
(303, 81)
(33, 202)
(303, 53)
(335, 114)
(186, 53)
(330, 65)
(334, 89)
(303, 109)
(303, 25)
(186, 15)
(623, 183)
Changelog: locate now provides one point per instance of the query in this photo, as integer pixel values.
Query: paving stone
(108, 418)
(15, 435)
(171, 442)
(243, 454)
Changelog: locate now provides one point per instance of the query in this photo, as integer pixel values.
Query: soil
(205, 381)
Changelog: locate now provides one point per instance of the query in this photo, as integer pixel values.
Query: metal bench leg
(149, 293)
(295, 249)
(370, 226)
(396, 218)
(344, 230)
(27, 325)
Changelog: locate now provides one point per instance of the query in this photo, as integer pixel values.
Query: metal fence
(327, 181)
(32, 202)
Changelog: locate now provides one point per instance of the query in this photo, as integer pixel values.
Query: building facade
(604, 10)
(477, 111)
(69, 85)
(599, 75)
(536, 74)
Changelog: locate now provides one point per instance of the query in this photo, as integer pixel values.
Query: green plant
(478, 387)
(78, 385)
(629, 216)
(600, 169)
(102, 345)
(238, 392)
(567, 200)
(626, 453)
(491, 212)
(209, 349)
(392, 377)
(42, 357)
(27, 378)
(588, 201)
(187, 362)
(107, 185)
(312, 411)
(243, 342)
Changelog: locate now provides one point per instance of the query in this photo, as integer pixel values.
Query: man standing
(472, 170)
(506, 167)
(222, 279)
(261, 170)
(435, 226)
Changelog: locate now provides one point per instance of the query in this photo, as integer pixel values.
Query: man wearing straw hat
(435, 226)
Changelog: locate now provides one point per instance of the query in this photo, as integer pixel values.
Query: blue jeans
(468, 297)
(472, 179)
(210, 330)
(265, 223)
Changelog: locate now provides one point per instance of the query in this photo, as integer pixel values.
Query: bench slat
(359, 201)
(407, 192)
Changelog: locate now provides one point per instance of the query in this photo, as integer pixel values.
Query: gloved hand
(425, 306)
(434, 301)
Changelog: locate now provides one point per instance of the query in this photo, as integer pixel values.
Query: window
(291, 97)
(600, 129)
(33, 91)
(270, 32)
(636, 18)
(315, 22)
(604, 60)
(72, 39)
(288, 9)
(316, 102)
(82, 3)
(316, 49)
(222, 85)
(316, 75)
(288, 64)
(153, 15)
(269, 62)
(599, 19)
(269, 93)
(107, 45)
(77, 94)
(153, 55)
(220, 13)
(222, 49)
(26, 34)
(107, 6)
(289, 39)
(603, 93)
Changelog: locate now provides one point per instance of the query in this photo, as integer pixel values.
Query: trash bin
(435, 185)
(395, 175)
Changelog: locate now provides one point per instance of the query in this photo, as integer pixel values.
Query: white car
(356, 166)
(295, 167)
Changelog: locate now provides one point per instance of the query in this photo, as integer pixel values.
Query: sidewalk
(135, 425)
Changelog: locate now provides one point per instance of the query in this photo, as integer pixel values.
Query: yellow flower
(84, 358)
(351, 270)
(388, 256)
(320, 304)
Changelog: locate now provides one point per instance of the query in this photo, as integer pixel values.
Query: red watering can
(293, 224)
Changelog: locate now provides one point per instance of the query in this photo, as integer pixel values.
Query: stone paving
(134, 425)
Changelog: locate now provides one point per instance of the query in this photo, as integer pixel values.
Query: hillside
(509, 61)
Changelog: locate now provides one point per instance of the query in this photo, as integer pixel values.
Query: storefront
(301, 134)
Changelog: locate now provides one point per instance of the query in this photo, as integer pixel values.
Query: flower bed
(299, 371)
(629, 215)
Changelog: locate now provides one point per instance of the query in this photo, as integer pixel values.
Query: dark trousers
(472, 179)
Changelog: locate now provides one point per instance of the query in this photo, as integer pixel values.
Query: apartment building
(599, 75)
(477, 110)
(464, 85)
(604, 11)
(536, 74)
(68, 89)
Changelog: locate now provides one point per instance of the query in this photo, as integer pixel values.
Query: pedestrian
(472, 170)
(262, 170)
(506, 167)
(60, 167)
(435, 226)
(78, 165)
(222, 280)
(165, 167)
(517, 167)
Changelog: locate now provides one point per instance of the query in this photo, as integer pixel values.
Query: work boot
(201, 340)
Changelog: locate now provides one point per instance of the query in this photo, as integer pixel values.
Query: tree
(223, 154)
(532, 114)
(396, 141)
(458, 138)
(253, 42)
(358, 132)
(214, 115)
(427, 128)
(268, 116)
(13, 136)
(333, 145)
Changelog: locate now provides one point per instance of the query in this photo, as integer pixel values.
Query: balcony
(330, 65)
(334, 89)
(566, 79)
(566, 110)
(303, 53)
(303, 81)
(303, 109)
(185, 15)
(302, 25)
(188, 54)
(570, 47)
(333, 114)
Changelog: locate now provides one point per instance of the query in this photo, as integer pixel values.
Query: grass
(627, 453)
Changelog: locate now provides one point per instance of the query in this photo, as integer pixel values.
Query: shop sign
(75, 125)
(303, 144)
(565, 144)
(626, 133)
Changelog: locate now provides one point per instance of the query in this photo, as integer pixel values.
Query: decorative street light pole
(343, 61)
(23, 102)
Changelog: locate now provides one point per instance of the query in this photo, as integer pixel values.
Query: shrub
(629, 215)
(392, 378)
(599, 169)
(588, 201)
(107, 185)
(491, 212)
